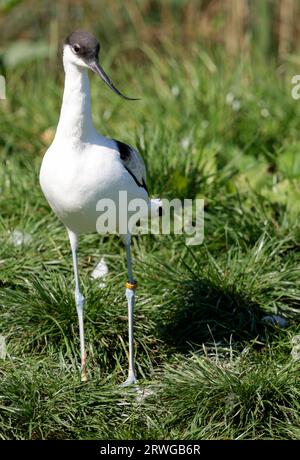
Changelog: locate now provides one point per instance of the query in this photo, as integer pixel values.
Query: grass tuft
(208, 364)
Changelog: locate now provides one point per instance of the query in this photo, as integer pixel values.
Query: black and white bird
(82, 167)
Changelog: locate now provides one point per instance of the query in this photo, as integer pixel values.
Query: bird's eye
(76, 48)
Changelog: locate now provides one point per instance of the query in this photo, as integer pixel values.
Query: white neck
(75, 121)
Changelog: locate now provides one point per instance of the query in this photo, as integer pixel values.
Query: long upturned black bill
(95, 67)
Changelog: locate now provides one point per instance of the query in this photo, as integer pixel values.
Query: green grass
(208, 365)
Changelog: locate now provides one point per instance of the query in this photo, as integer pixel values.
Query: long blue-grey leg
(79, 300)
(130, 295)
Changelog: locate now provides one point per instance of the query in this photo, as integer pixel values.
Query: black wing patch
(125, 152)
(124, 149)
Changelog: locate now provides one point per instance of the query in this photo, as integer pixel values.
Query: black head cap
(84, 45)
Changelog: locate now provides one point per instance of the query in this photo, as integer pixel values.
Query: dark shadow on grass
(202, 312)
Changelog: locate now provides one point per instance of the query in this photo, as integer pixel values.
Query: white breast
(75, 178)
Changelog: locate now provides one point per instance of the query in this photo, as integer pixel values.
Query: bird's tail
(155, 207)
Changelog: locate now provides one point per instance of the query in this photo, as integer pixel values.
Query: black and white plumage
(134, 163)
(82, 167)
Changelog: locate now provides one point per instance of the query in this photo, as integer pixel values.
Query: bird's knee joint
(129, 293)
(79, 299)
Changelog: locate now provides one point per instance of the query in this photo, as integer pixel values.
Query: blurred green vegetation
(267, 27)
(215, 120)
